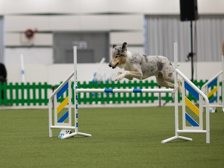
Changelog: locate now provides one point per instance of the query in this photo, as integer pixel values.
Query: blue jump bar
(191, 120)
(137, 90)
(212, 83)
(191, 90)
(108, 90)
(63, 118)
(214, 99)
(134, 90)
(63, 89)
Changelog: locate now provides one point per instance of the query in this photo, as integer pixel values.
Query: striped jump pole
(62, 119)
(126, 90)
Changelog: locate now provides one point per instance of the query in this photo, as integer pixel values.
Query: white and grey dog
(142, 66)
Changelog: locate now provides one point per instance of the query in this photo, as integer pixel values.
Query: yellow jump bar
(62, 105)
(212, 92)
(192, 106)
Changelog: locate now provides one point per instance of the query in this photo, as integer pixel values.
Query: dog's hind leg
(166, 83)
(168, 75)
(170, 78)
(162, 82)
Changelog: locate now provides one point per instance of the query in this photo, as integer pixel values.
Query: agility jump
(195, 126)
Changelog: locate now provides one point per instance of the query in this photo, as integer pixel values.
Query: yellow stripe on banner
(213, 91)
(192, 106)
(62, 105)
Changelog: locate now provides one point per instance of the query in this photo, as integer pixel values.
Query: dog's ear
(114, 45)
(124, 46)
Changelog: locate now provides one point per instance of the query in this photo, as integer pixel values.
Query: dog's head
(119, 54)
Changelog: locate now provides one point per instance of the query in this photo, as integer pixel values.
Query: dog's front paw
(118, 78)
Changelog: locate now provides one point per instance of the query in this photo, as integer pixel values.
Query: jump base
(75, 133)
(176, 137)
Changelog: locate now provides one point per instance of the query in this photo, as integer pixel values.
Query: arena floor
(121, 137)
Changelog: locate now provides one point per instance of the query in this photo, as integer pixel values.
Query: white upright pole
(23, 75)
(50, 117)
(75, 88)
(70, 102)
(176, 95)
(22, 68)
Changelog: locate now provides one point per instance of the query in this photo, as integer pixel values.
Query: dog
(140, 66)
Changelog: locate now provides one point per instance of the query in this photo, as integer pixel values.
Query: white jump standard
(199, 95)
(59, 123)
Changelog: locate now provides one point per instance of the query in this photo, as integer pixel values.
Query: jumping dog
(140, 66)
